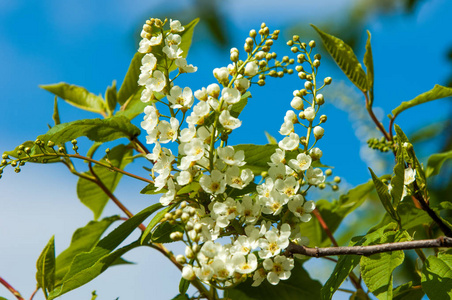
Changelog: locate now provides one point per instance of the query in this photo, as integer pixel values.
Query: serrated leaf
(45, 275)
(256, 156)
(345, 58)
(89, 193)
(129, 86)
(347, 263)
(376, 269)
(88, 265)
(299, 286)
(111, 97)
(435, 162)
(77, 96)
(38, 156)
(83, 240)
(383, 194)
(98, 130)
(146, 236)
(369, 63)
(397, 181)
(437, 276)
(437, 92)
(162, 232)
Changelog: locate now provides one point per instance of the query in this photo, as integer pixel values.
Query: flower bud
(308, 85)
(188, 273)
(312, 44)
(251, 68)
(301, 58)
(185, 217)
(315, 153)
(176, 236)
(294, 49)
(318, 56)
(302, 75)
(213, 90)
(319, 99)
(253, 33)
(297, 103)
(328, 80)
(5, 156)
(181, 259)
(198, 227)
(323, 118)
(316, 63)
(295, 38)
(309, 114)
(234, 56)
(289, 43)
(337, 179)
(260, 55)
(318, 132)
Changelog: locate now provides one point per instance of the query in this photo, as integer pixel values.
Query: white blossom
(228, 121)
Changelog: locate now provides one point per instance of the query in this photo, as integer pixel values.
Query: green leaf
(437, 276)
(77, 96)
(98, 130)
(333, 213)
(383, 194)
(129, 86)
(181, 297)
(56, 114)
(183, 286)
(155, 220)
(347, 263)
(345, 58)
(376, 269)
(237, 108)
(162, 232)
(45, 275)
(407, 292)
(437, 92)
(369, 63)
(435, 162)
(89, 193)
(256, 156)
(150, 189)
(299, 286)
(83, 240)
(38, 156)
(88, 265)
(271, 140)
(397, 181)
(111, 97)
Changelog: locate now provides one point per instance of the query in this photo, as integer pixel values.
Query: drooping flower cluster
(207, 185)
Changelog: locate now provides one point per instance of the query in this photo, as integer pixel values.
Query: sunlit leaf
(437, 276)
(45, 275)
(369, 63)
(407, 291)
(435, 162)
(383, 194)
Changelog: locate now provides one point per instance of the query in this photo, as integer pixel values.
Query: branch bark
(445, 242)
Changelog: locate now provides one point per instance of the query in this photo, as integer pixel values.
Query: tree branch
(442, 241)
(11, 289)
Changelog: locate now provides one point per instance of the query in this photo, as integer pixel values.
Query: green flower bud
(253, 33)
(316, 63)
(328, 80)
(27, 150)
(285, 59)
(21, 147)
(328, 172)
(323, 118)
(308, 85)
(294, 49)
(300, 58)
(181, 259)
(289, 43)
(269, 43)
(337, 179)
(280, 74)
(13, 163)
(289, 71)
(22, 163)
(176, 236)
(50, 144)
(61, 150)
(309, 77)
(295, 38)
(5, 156)
(312, 44)
(4, 162)
(19, 152)
(318, 56)
(335, 187)
(17, 170)
(319, 99)
(299, 68)
(302, 75)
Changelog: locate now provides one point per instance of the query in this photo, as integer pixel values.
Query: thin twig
(11, 289)
(34, 293)
(443, 241)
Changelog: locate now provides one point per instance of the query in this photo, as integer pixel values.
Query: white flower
(309, 113)
(297, 103)
(291, 116)
(251, 69)
(156, 40)
(315, 153)
(258, 277)
(277, 171)
(205, 273)
(237, 178)
(265, 188)
(286, 128)
(211, 249)
(290, 142)
(194, 149)
(168, 197)
(244, 266)
(242, 83)
(168, 131)
(275, 203)
(176, 26)
(214, 183)
(278, 157)
(221, 74)
(318, 132)
(300, 208)
(179, 98)
(251, 210)
(145, 46)
(230, 157)
(230, 95)
(225, 211)
(200, 110)
(410, 176)
(184, 178)
(213, 90)
(201, 94)
(155, 155)
(274, 241)
(172, 52)
(172, 39)
(279, 268)
(146, 95)
(315, 176)
(222, 269)
(151, 119)
(181, 63)
(289, 186)
(187, 134)
(302, 163)
(228, 121)
(157, 82)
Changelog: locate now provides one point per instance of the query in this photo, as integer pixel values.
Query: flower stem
(11, 289)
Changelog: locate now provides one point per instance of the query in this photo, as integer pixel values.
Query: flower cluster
(210, 191)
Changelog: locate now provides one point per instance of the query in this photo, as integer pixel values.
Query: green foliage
(407, 292)
(83, 240)
(97, 130)
(345, 58)
(88, 265)
(369, 63)
(45, 275)
(397, 181)
(111, 97)
(90, 193)
(376, 270)
(437, 92)
(435, 162)
(77, 96)
(184, 284)
(347, 263)
(162, 232)
(299, 286)
(385, 197)
(437, 276)
(36, 152)
(155, 220)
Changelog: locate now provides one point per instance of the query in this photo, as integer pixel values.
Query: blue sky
(90, 43)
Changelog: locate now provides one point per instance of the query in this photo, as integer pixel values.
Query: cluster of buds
(381, 144)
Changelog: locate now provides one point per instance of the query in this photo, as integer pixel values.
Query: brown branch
(442, 241)
(325, 227)
(34, 293)
(374, 118)
(11, 289)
